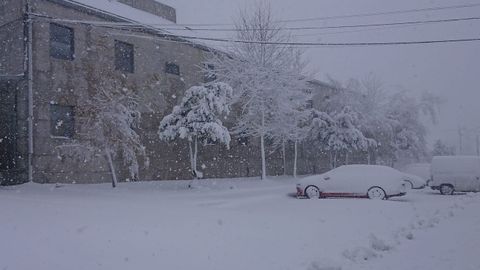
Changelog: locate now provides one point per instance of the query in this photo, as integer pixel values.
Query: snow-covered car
(414, 182)
(455, 173)
(356, 181)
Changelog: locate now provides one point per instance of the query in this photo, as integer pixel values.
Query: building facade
(55, 53)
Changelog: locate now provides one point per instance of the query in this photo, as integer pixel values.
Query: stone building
(51, 60)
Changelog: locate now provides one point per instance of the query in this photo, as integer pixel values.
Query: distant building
(75, 45)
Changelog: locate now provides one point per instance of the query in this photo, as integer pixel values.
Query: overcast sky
(451, 71)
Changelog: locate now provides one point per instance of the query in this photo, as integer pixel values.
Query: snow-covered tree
(290, 125)
(394, 121)
(319, 126)
(371, 104)
(289, 122)
(408, 138)
(110, 118)
(442, 149)
(345, 135)
(263, 74)
(199, 118)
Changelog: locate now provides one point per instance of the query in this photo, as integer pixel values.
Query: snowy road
(232, 224)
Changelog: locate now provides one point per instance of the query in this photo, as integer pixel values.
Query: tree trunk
(112, 168)
(335, 159)
(295, 160)
(346, 158)
(195, 158)
(191, 155)
(262, 148)
(284, 158)
(369, 158)
(330, 156)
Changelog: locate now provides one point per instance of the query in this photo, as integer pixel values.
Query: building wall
(13, 96)
(11, 37)
(72, 82)
(68, 82)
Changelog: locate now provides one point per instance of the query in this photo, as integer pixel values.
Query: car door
(466, 174)
(466, 181)
(340, 183)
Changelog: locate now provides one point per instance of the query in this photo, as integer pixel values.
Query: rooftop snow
(125, 11)
(129, 13)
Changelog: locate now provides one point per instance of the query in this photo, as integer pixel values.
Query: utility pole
(29, 60)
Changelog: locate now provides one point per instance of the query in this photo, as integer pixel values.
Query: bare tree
(262, 72)
(110, 117)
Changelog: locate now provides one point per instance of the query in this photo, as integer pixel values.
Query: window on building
(209, 73)
(124, 56)
(172, 68)
(309, 104)
(243, 139)
(62, 121)
(61, 42)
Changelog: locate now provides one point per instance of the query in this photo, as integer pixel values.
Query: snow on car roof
(376, 171)
(455, 163)
(365, 167)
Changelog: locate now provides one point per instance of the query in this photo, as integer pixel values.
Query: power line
(358, 15)
(339, 26)
(137, 25)
(334, 44)
(353, 31)
(372, 14)
(374, 28)
(315, 44)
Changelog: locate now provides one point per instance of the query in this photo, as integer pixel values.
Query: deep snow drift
(232, 224)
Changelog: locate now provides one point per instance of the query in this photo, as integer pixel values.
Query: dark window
(172, 68)
(124, 56)
(309, 104)
(62, 120)
(243, 140)
(61, 42)
(210, 73)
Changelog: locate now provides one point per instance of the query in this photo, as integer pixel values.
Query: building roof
(125, 13)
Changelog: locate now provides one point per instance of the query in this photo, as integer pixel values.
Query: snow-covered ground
(232, 224)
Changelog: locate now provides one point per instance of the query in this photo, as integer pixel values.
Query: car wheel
(446, 189)
(376, 193)
(411, 184)
(312, 192)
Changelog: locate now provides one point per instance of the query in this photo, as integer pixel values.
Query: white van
(455, 173)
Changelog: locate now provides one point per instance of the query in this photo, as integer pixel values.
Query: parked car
(414, 182)
(455, 173)
(422, 170)
(357, 181)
